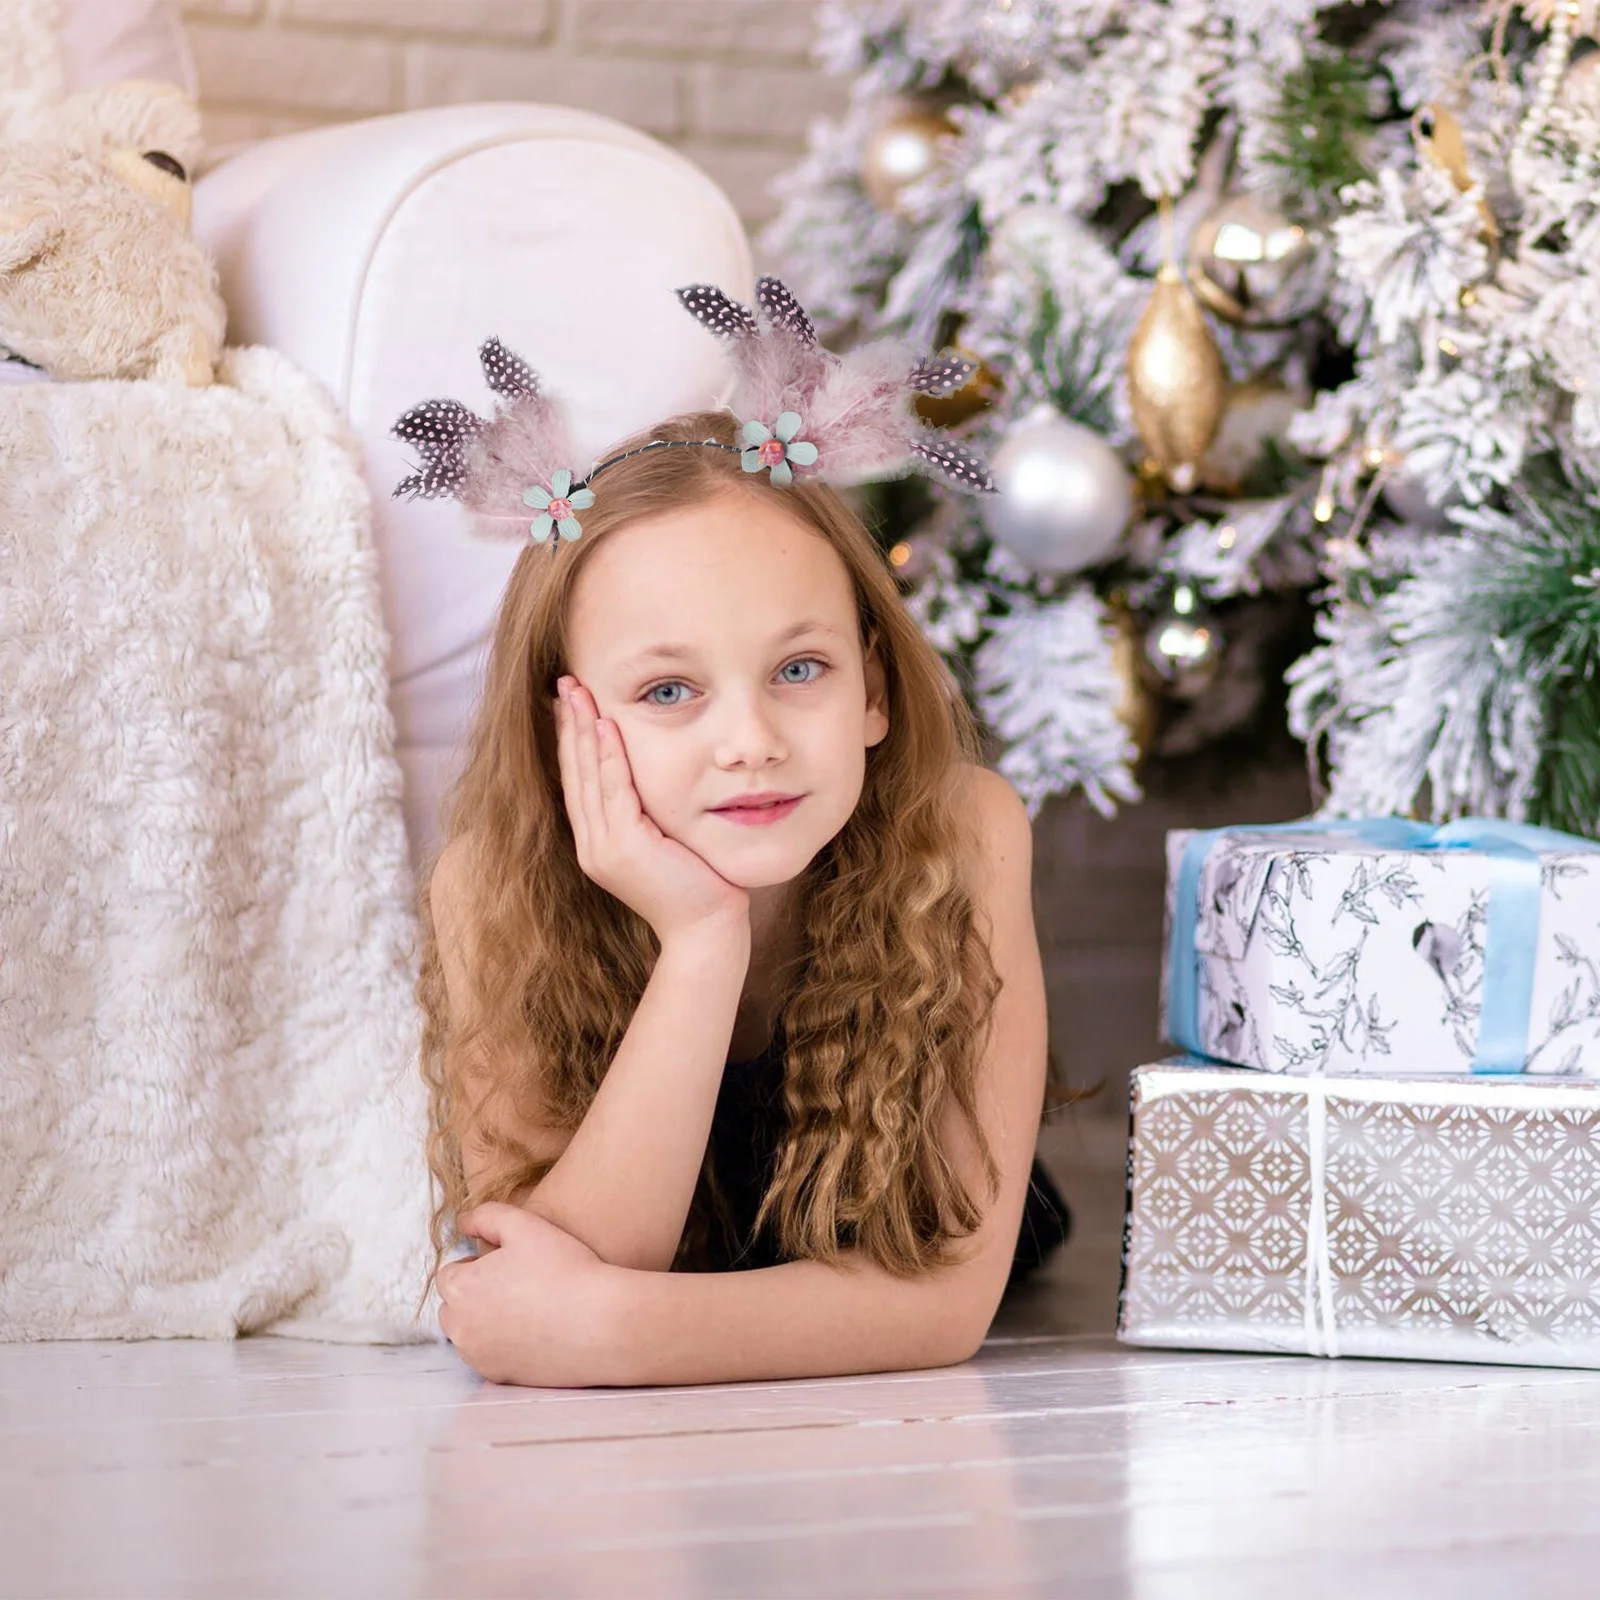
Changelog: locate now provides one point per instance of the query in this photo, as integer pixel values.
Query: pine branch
(1316, 129)
(1550, 607)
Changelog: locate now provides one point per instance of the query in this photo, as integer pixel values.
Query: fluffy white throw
(211, 1120)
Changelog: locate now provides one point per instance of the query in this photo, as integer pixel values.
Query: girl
(729, 959)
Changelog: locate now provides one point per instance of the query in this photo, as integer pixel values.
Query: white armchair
(379, 255)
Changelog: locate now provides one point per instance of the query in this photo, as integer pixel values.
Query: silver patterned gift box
(1313, 950)
(1443, 1219)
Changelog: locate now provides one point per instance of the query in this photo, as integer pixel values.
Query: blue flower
(558, 502)
(776, 447)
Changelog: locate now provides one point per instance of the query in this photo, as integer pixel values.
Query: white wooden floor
(1056, 1464)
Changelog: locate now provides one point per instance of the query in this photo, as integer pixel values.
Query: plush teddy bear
(100, 276)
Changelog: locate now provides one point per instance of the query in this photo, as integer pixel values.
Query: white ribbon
(1322, 1332)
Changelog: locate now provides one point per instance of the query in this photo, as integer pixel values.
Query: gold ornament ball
(1254, 267)
(977, 393)
(1177, 384)
(902, 150)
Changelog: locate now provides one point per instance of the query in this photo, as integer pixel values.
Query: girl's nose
(749, 732)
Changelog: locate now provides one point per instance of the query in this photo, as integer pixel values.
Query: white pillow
(103, 41)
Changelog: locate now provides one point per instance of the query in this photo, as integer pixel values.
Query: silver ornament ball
(1254, 267)
(1183, 647)
(1064, 498)
(1409, 500)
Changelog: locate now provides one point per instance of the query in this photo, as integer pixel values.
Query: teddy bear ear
(139, 114)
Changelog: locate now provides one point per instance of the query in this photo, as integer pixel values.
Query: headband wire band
(655, 444)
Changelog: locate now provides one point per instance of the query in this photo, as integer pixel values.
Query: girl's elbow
(964, 1330)
(637, 1255)
(952, 1348)
(967, 1342)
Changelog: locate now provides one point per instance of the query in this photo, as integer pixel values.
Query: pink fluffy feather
(524, 445)
(856, 409)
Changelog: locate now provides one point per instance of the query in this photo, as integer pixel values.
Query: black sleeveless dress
(747, 1131)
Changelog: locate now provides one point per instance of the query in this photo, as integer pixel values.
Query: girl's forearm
(804, 1319)
(625, 1181)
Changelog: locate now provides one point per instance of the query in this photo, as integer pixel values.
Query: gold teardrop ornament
(1177, 384)
(1436, 134)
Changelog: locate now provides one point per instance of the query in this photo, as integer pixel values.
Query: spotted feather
(710, 307)
(440, 430)
(440, 478)
(437, 425)
(963, 467)
(939, 375)
(783, 310)
(506, 372)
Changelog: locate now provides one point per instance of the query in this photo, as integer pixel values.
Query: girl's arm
(624, 1179)
(540, 1310)
(809, 1319)
(806, 1319)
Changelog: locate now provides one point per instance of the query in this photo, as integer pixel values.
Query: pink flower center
(772, 451)
(560, 509)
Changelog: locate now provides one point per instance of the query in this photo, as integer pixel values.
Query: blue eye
(793, 683)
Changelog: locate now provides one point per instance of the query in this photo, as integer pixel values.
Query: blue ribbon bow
(1511, 930)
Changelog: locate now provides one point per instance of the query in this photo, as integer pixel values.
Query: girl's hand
(619, 846)
(540, 1307)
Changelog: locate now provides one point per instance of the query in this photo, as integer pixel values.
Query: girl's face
(752, 702)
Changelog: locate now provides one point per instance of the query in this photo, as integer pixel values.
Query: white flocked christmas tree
(1288, 317)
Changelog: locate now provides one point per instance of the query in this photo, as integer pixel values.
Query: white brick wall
(728, 82)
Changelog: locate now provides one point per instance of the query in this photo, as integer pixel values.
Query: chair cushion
(379, 255)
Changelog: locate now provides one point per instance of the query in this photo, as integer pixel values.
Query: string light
(1322, 508)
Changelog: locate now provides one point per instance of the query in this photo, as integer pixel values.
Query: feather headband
(803, 411)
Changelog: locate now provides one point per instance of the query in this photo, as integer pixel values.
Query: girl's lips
(756, 816)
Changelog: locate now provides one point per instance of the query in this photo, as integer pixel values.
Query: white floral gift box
(1436, 1219)
(1385, 946)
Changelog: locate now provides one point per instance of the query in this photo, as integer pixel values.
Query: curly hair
(889, 998)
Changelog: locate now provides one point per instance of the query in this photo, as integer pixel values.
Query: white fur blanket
(211, 1120)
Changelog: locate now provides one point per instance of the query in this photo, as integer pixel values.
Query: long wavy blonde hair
(889, 1000)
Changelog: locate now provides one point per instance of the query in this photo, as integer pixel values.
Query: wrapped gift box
(1374, 947)
(1442, 1219)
